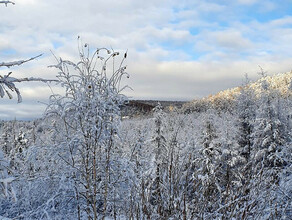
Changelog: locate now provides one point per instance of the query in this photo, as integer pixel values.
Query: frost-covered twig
(17, 63)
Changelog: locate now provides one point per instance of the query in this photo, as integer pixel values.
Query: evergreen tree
(208, 167)
(246, 116)
(157, 197)
(268, 131)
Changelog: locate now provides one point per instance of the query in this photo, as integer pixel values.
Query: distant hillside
(281, 82)
(144, 107)
(222, 100)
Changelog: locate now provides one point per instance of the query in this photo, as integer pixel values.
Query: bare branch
(19, 62)
(7, 2)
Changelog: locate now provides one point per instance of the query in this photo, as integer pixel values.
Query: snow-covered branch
(19, 62)
(27, 79)
(7, 2)
(7, 82)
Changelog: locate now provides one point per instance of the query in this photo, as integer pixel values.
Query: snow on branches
(18, 62)
(7, 82)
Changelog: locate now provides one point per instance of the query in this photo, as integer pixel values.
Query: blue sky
(177, 49)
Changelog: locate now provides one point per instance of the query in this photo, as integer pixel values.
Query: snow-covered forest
(81, 160)
(226, 156)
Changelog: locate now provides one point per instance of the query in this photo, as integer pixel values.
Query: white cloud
(230, 40)
(287, 20)
(247, 2)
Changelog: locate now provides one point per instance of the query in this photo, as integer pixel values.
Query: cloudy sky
(177, 49)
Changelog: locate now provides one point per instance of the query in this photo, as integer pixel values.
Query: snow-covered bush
(89, 116)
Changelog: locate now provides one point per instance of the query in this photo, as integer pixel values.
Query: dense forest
(229, 159)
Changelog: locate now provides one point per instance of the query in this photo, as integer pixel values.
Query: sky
(177, 49)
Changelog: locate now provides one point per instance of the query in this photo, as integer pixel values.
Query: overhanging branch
(19, 62)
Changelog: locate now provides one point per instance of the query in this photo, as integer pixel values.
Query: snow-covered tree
(245, 113)
(246, 116)
(267, 158)
(160, 165)
(6, 189)
(207, 168)
(268, 131)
